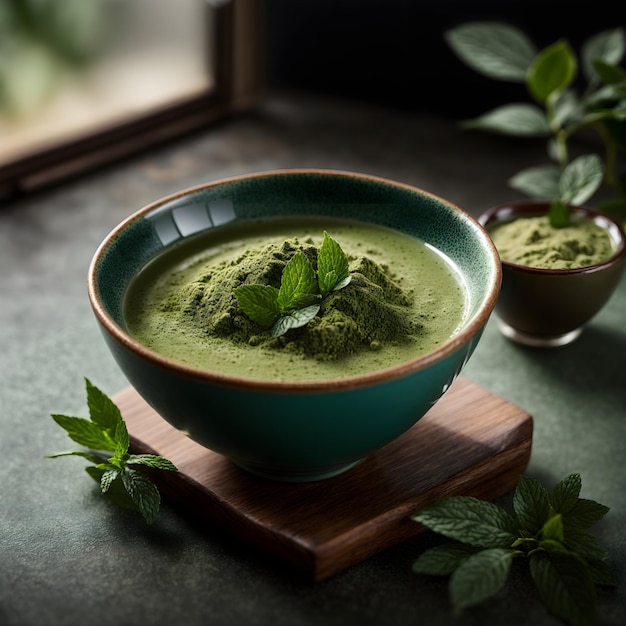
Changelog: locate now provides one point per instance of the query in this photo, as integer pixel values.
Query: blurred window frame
(237, 49)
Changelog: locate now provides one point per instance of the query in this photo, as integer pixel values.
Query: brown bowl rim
(321, 386)
(530, 208)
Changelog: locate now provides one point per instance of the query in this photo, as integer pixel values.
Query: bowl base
(294, 474)
(537, 341)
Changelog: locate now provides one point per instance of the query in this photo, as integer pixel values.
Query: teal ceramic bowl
(293, 431)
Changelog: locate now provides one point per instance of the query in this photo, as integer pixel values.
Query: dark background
(392, 52)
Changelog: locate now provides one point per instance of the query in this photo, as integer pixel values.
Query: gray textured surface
(69, 557)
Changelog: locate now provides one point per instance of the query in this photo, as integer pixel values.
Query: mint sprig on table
(105, 437)
(549, 529)
(298, 299)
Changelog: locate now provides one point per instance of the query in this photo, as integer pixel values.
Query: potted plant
(547, 302)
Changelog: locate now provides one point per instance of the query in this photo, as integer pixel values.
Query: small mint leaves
(105, 437)
(332, 266)
(298, 284)
(547, 528)
(259, 303)
(297, 301)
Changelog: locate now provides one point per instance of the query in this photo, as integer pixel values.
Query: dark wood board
(472, 442)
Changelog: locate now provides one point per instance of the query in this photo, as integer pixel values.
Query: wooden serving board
(472, 442)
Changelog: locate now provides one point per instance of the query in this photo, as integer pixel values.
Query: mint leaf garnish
(565, 586)
(85, 433)
(470, 520)
(479, 577)
(552, 530)
(531, 504)
(105, 436)
(102, 410)
(298, 300)
(298, 286)
(549, 529)
(332, 266)
(443, 560)
(585, 514)
(259, 303)
(558, 214)
(295, 319)
(565, 494)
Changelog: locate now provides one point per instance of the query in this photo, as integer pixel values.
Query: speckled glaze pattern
(302, 430)
(549, 308)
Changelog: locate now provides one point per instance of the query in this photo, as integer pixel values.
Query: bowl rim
(534, 207)
(470, 328)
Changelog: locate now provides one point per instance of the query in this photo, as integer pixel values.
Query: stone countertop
(68, 557)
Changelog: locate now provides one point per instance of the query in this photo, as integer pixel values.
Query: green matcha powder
(371, 311)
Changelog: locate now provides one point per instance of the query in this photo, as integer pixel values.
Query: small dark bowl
(549, 308)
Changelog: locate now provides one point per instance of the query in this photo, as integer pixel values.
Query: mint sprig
(298, 300)
(549, 529)
(105, 437)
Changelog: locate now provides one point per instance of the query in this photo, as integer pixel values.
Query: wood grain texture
(472, 442)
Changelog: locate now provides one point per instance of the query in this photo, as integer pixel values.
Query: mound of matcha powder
(371, 311)
(533, 242)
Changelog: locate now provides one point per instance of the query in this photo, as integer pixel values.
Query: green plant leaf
(540, 182)
(584, 544)
(107, 478)
(580, 179)
(565, 585)
(567, 108)
(91, 455)
(122, 441)
(553, 70)
(143, 493)
(565, 493)
(116, 493)
(585, 514)
(298, 284)
(553, 528)
(470, 520)
(494, 49)
(85, 433)
(517, 119)
(558, 214)
(151, 460)
(295, 319)
(479, 577)
(609, 74)
(607, 47)
(531, 504)
(102, 410)
(332, 266)
(604, 99)
(442, 560)
(601, 573)
(259, 303)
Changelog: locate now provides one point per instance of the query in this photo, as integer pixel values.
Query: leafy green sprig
(559, 110)
(105, 437)
(298, 299)
(549, 529)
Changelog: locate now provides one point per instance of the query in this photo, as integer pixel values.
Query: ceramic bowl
(298, 431)
(549, 308)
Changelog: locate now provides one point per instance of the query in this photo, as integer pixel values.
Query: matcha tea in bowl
(294, 321)
(554, 279)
